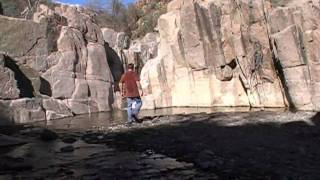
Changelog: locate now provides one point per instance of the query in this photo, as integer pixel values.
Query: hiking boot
(128, 123)
(136, 119)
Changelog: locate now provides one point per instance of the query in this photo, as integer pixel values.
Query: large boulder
(58, 61)
(80, 75)
(9, 88)
(56, 109)
(28, 110)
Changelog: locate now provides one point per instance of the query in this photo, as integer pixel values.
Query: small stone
(149, 152)
(19, 166)
(68, 172)
(67, 149)
(48, 135)
(69, 140)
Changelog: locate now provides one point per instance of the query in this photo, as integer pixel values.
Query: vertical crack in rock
(282, 78)
(276, 63)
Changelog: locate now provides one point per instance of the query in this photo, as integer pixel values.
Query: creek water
(117, 117)
(174, 143)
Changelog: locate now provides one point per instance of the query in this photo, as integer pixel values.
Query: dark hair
(131, 66)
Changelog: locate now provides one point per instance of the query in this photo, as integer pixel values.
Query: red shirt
(129, 79)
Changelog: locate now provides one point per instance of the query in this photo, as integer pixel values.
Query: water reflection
(107, 119)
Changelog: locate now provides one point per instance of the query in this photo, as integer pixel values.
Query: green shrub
(148, 18)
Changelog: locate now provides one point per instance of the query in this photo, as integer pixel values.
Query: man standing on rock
(129, 87)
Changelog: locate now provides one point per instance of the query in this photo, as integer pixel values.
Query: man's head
(130, 67)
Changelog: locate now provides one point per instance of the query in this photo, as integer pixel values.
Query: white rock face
(56, 109)
(82, 74)
(27, 110)
(222, 53)
(110, 36)
(296, 39)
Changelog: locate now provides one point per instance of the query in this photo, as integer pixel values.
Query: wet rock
(149, 152)
(206, 160)
(92, 138)
(69, 140)
(48, 135)
(65, 171)
(6, 141)
(14, 164)
(67, 149)
(56, 109)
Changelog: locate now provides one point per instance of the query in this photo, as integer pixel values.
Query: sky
(83, 1)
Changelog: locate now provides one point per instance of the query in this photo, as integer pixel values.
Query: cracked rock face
(235, 53)
(80, 76)
(296, 39)
(62, 57)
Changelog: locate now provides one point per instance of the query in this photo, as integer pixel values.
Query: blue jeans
(134, 106)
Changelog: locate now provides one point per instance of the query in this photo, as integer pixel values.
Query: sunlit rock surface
(58, 61)
(235, 53)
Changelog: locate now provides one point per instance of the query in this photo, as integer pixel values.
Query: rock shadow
(251, 151)
(45, 87)
(115, 64)
(24, 84)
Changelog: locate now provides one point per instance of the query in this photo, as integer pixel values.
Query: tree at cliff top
(111, 13)
(136, 19)
(147, 14)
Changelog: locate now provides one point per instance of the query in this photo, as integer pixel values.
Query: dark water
(108, 119)
(175, 143)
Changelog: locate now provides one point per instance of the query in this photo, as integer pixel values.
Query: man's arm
(138, 84)
(121, 89)
(121, 82)
(139, 88)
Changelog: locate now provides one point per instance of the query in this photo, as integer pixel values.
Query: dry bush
(22, 8)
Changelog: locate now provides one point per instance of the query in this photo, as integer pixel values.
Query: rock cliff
(236, 53)
(54, 66)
